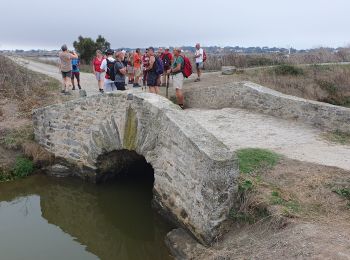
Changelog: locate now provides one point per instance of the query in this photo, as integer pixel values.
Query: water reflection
(48, 218)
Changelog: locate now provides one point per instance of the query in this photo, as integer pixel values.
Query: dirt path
(238, 128)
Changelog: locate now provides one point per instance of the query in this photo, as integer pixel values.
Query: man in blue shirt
(75, 72)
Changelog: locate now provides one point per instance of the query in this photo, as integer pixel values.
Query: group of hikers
(152, 68)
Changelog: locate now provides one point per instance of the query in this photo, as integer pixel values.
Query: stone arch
(195, 174)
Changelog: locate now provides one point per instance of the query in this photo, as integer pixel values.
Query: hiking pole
(167, 85)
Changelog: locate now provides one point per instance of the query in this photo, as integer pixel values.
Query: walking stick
(167, 85)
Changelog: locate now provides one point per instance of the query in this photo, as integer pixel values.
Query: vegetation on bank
(26, 87)
(274, 188)
(325, 83)
(22, 168)
(252, 164)
(338, 137)
(21, 91)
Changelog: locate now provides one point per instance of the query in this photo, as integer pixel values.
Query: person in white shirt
(199, 61)
(109, 85)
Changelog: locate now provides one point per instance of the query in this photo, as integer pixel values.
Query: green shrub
(23, 167)
(343, 192)
(330, 87)
(253, 159)
(286, 69)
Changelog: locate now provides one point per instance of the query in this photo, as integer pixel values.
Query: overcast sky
(38, 24)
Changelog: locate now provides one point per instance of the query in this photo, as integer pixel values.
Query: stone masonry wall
(254, 97)
(195, 174)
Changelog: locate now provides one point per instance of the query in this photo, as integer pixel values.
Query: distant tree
(86, 47)
(102, 44)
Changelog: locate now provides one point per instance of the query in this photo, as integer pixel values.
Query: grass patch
(290, 207)
(330, 87)
(253, 159)
(338, 137)
(22, 168)
(251, 163)
(14, 138)
(343, 192)
(287, 69)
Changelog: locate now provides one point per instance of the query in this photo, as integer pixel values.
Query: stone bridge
(194, 173)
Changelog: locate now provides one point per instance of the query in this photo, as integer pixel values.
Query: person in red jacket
(96, 69)
(167, 59)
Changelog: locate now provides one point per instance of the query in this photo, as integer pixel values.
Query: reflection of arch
(194, 172)
(89, 213)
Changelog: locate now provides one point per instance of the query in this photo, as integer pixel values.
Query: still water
(47, 218)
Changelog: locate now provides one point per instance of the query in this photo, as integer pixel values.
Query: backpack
(187, 68)
(159, 69)
(166, 61)
(110, 70)
(204, 56)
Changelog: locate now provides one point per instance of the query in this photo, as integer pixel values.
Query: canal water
(43, 217)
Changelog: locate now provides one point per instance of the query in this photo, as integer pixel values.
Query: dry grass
(329, 83)
(30, 89)
(36, 153)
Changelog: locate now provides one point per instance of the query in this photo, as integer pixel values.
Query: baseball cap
(109, 51)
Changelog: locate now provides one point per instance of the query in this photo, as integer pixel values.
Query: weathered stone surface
(257, 98)
(59, 170)
(182, 246)
(188, 161)
(228, 70)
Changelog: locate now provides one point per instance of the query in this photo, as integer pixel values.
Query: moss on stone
(130, 131)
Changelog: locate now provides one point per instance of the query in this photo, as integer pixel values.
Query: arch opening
(124, 165)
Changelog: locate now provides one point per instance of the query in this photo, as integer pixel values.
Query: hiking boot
(101, 90)
(197, 79)
(73, 88)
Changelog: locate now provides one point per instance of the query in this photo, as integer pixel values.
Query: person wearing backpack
(154, 70)
(107, 66)
(120, 71)
(167, 60)
(75, 71)
(176, 71)
(199, 55)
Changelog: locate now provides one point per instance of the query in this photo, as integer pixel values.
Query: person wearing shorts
(178, 78)
(137, 68)
(152, 77)
(65, 66)
(199, 61)
(96, 69)
(75, 72)
(145, 62)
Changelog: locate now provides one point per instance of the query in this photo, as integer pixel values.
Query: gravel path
(87, 80)
(238, 128)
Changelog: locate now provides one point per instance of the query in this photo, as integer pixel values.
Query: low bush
(286, 69)
(23, 167)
